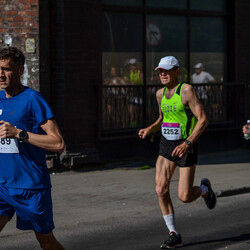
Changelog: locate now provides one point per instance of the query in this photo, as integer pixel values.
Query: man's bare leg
(48, 241)
(164, 173)
(186, 191)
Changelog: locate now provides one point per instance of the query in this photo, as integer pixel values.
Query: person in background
(135, 74)
(201, 76)
(135, 77)
(246, 130)
(210, 97)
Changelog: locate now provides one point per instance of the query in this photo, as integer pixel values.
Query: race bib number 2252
(171, 131)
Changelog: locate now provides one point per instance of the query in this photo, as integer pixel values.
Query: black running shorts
(187, 160)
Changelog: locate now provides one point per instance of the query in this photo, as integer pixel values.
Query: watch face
(188, 142)
(23, 135)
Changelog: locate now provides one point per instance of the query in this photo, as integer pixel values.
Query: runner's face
(168, 76)
(9, 74)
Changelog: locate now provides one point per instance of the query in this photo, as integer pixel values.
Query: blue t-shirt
(26, 168)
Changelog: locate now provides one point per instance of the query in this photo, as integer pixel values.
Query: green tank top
(176, 116)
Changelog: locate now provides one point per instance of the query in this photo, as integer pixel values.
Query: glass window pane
(166, 36)
(208, 63)
(124, 2)
(176, 4)
(122, 47)
(208, 45)
(213, 5)
(122, 70)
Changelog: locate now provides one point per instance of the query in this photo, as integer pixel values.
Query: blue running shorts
(32, 206)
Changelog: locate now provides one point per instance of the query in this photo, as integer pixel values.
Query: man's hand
(143, 133)
(7, 130)
(180, 150)
(245, 128)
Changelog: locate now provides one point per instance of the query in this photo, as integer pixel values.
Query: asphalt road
(226, 227)
(117, 209)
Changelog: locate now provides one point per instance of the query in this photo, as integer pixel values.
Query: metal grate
(125, 109)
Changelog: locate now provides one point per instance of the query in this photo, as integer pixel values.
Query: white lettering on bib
(9, 146)
(171, 131)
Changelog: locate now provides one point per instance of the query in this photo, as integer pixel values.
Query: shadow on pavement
(232, 240)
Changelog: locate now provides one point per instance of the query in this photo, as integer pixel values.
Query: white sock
(170, 222)
(204, 189)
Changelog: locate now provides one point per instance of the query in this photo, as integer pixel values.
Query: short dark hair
(8, 52)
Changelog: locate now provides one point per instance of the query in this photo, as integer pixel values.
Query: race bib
(171, 131)
(9, 146)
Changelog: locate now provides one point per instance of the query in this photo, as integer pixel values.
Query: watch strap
(189, 143)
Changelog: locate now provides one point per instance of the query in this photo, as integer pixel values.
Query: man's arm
(52, 141)
(189, 98)
(143, 133)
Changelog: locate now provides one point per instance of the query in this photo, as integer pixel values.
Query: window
(166, 36)
(123, 2)
(210, 5)
(135, 38)
(208, 45)
(175, 4)
(122, 48)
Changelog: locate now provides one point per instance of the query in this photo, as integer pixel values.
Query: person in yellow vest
(135, 77)
(135, 74)
(182, 120)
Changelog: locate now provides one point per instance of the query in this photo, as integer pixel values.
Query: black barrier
(125, 109)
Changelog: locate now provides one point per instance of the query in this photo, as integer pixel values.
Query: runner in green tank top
(182, 120)
(175, 112)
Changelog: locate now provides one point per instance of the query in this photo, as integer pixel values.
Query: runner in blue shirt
(27, 130)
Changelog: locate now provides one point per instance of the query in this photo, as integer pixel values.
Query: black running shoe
(173, 241)
(209, 197)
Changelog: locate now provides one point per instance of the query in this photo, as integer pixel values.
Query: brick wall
(19, 28)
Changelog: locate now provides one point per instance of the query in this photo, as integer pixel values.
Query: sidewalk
(229, 171)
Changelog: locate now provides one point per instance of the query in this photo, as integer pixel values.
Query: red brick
(16, 24)
(9, 19)
(27, 18)
(32, 12)
(29, 1)
(9, 13)
(25, 30)
(17, 30)
(35, 25)
(26, 7)
(18, 19)
(24, 1)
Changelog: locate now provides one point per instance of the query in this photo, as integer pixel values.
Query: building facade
(96, 63)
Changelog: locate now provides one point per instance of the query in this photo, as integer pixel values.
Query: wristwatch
(23, 135)
(189, 143)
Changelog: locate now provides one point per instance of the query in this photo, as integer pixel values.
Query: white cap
(168, 62)
(198, 66)
(132, 61)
